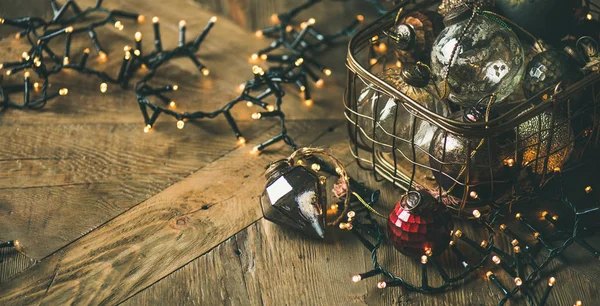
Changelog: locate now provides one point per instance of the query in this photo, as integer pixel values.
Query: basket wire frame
(401, 166)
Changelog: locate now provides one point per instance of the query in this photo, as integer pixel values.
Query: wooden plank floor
(109, 215)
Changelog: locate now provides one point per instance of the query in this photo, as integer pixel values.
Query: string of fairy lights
(520, 264)
(294, 63)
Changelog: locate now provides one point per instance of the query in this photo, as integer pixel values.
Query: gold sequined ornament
(534, 137)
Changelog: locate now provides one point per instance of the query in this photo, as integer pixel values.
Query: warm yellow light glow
(241, 140)
(36, 86)
(381, 285)
(518, 215)
(351, 214)
(254, 57)
(398, 64)
(424, 259)
(257, 70)
(428, 251)
(458, 233)
(589, 189)
(514, 242)
(299, 62)
(1, 20)
(578, 303)
(551, 281)
(557, 170)
(319, 83)
(37, 62)
(103, 87)
(274, 18)
(175, 87)
(102, 57)
(589, 16)
(496, 259)
(289, 28)
(127, 55)
(555, 218)
(254, 151)
(517, 249)
(303, 25)
(155, 19)
(356, 278)
(315, 167)
(86, 50)
(213, 19)
(476, 213)
(172, 105)
(374, 38)
(382, 47)
(8, 72)
(180, 124)
(309, 102)
(536, 235)
(473, 194)
(518, 281)
(509, 162)
(65, 60)
(544, 213)
(332, 206)
(483, 243)
(360, 17)
(119, 25)
(138, 36)
(373, 61)
(302, 88)
(270, 108)
(264, 57)
(25, 56)
(205, 71)
(502, 227)
(256, 116)
(18, 36)
(141, 18)
(26, 74)
(489, 274)
(182, 23)
(126, 48)
(63, 91)
(327, 71)
(147, 128)
(258, 33)
(69, 29)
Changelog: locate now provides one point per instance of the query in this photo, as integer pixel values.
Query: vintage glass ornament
(546, 69)
(448, 5)
(413, 36)
(488, 60)
(419, 224)
(487, 157)
(393, 120)
(546, 19)
(295, 198)
(534, 138)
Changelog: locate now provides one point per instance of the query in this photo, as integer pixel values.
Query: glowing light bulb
(18, 36)
(424, 259)
(458, 233)
(256, 116)
(299, 62)
(373, 61)
(319, 83)
(8, 72)
(205, 71)
(180, 124)
(518, 281)
(303, 25)
(103, 87)
(241, 87)
(476, 213)
(25, 56)
(589, 16)
(254, 57)
(147, 128)
(509, 162)
(514, 242)
(86, 50)
(428, 252)
(126, 48)
(551, 281)
(102, 57)
(327, 71)
(127, 55)
(69, 29)
(258, 34)
(65, 60)
(589, 189)
(315, 167)
(270, 108)
(138, 36)
(241, 140)
(302, 88)
(557, 170)
(172, 105)
(155, 19)
(356, 278)
(141, 18)
(311, 21)
(26, 74)
(119, 25)
(309, 102)
(381, 285)
(489, 274)
(175, 87)
(257, 70)
(289, 28)
(36, 86)
(398, 64)
(1, 20)
(496, 259)
(518, 215)
(360, 17)
(375, 38)
(274, 18)
(351, 214)
(382, 47)
(578, 303)
(333, 207)
(473, 194)
(483, 243)
(213, 19)
(182, 23)
(254, 151)
(63, 91)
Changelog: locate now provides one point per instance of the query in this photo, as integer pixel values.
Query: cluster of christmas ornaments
(465, 68)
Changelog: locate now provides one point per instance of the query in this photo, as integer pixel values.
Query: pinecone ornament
(419, 224)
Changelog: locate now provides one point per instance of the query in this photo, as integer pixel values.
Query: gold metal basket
(394, 165)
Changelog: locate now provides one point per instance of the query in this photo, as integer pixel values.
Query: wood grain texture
(84, 158)
(12, 263)
(158, 236)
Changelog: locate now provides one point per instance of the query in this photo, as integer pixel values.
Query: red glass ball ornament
(419, 224)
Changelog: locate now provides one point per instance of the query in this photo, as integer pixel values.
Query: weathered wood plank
(169, 230)
(12, 263)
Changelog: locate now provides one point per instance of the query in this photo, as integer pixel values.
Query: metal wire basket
(573, 108)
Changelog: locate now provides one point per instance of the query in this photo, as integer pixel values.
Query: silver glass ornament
(488, 60)
(391, 122)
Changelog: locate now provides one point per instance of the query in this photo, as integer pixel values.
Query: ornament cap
(276, 169)
(457, 14)
(415, 75)
(417, 201)
(403, 35)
